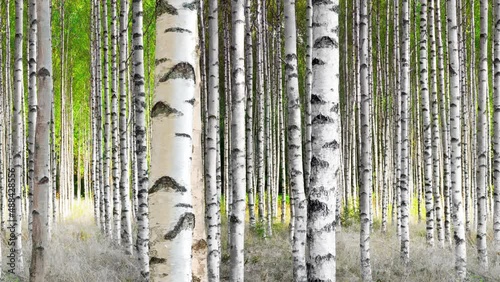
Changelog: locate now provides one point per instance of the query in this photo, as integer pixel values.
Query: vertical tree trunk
(140, 137)
(17, 137)
(496, 124)
(481, 168)
(213, 217)
(295, 144)
(237, 220)
(249, 110)
(455, 137)
(325, 160)
(42, 173)
(427, 127)
(114, 126)
(126, 224)
(307, 98)
(260, 113)
(365, 179)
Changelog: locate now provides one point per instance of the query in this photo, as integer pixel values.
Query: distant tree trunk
(405, 132)
(496, 124)
(366, 166)
(445, 133)
(307, 98)
(107, 130)
(427, 127)
(325, 160)
(32, 103)
(295, 144)
(436, 140)
(249, 111)
(114, 127)
(260, 113)
(17, 137)
(455, 137)
(213, 217)
(126, 224)
(42, 173)
(481, 168)
(140, 137)
(237, 219)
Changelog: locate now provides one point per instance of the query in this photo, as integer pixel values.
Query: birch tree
(325, 160)
(140, 137)
(295, 144)
(482, 126)
(213, 216)
(455, 137)
(171, 211)
(126, 224)
(365, 179)
(496, 125)
(42, 174)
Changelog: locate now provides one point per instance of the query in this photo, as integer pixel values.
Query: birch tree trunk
(365, 179)
(325, 160)
(405, 152)
(42, 174)
(17, 138)
(126, 223)
(496, 124)
(237, 219)
(426, 118)
(213, 217)
(172, 216)
(140, 137)
(307, 99)
(482, 126)
(295, 144)
(32, 102)
(455, 137)
(115, 150)
(260, 114)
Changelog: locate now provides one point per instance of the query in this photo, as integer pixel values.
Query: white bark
(366, 166)
(405, 132)
(140, 136)
(296, 172)
(325, 160)
(455, 137)
(496, 124)
(42, 174)
(126, 223)
(171, 212)
(237, 217)
(213, 217)
(482, 126)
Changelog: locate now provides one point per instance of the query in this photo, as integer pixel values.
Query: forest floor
(270, 259)
(78, 252)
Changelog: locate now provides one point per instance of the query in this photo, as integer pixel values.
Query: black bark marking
(182, 70)
(321, 119)
(155, 260)
(315, 206)
(161, 108)
(334, 145)
(44, 180)
(163, 6)
(321, 2)
(325, 42)
(315, 162)
(191, 6)
(177, 29)
(183, 135)
(317, 62)
(165, 183)
(186, 222)
(316, 100)
(43, 73)
(190, 101)
(182, 205)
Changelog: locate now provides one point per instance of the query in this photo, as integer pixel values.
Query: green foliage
(350, 216)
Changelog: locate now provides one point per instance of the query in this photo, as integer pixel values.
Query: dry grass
(270, 259)
(78, 252)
